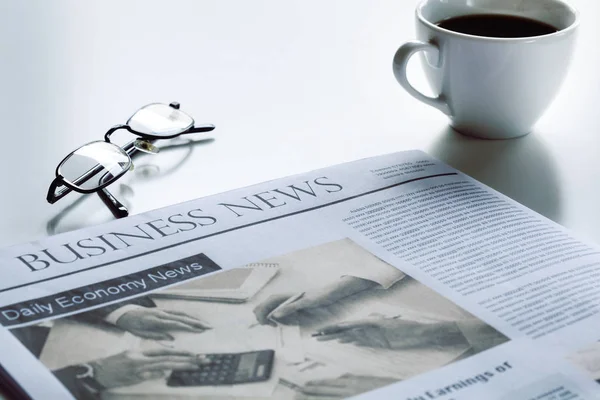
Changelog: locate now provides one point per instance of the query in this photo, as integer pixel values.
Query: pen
(285, 303)
(331, 331)
(340, 329)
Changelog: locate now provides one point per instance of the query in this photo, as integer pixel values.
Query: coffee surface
(494, 25)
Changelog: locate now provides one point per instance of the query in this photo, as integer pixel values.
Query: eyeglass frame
(116, 207)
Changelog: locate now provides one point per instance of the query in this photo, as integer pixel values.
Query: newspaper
(390, 277)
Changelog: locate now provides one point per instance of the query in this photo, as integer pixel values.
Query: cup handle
(404, 53)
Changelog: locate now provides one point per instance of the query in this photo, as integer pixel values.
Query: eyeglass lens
(160, 120)
(94, 165)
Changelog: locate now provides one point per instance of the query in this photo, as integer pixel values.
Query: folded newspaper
(393, 277)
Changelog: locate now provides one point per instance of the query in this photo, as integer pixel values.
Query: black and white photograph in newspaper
(324, 322)
(587, 359)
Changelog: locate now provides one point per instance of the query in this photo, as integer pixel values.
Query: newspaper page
(389, 277)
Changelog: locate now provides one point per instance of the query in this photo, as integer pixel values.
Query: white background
(291, 86)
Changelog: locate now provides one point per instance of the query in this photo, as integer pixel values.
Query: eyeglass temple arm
(201, 128)
(193, 129)
(114, 129)
(53, 196)
(115, 206)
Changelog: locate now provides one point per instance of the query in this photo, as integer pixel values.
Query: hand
(265, 308)
(281, 307)
(322, 297)
(342, 387)
(152, 323)
(132, 367)
(392, 333)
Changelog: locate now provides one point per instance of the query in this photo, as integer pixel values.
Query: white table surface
(291, 86)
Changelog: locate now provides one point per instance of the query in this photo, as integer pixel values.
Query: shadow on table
(520, 168)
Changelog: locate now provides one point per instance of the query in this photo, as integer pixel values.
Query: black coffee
(494, 25)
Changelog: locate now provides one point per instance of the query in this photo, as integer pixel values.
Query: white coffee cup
(493, 88)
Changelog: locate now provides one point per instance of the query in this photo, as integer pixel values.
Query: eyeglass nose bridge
(116, 128)
(145, 146)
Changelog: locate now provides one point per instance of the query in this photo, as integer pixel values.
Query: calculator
(226, 369)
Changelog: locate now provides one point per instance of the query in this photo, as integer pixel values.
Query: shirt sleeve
(480, 335)
(361, 263)
(385, 276)
(67, 376)
(114, 316)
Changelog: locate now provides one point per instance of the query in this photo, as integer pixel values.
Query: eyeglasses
(94, 166)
